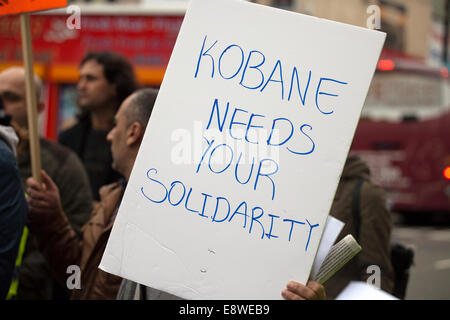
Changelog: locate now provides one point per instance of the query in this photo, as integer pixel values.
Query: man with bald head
(65, 168)
(12, 89)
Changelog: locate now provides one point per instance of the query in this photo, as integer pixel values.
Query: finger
(317, 288)
(47, 181)
(38, 192)
(109, 188)
(289, 295)
(32, 183)
(38, 204)
(314, 285)
(35, 194)
(301, 290)
(36, 212)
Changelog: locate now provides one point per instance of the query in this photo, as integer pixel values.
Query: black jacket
(13, 214)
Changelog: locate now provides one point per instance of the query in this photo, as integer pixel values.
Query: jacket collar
(8, 134)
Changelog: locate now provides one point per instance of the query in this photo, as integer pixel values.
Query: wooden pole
(30, 87)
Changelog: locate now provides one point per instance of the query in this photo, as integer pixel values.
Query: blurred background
(403, 134)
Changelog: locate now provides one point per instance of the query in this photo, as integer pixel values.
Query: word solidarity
(221, 210)
(232, 62)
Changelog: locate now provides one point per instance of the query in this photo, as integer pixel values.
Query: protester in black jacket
(13, 206)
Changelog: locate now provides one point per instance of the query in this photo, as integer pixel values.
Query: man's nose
(81, 84)
(109, 136)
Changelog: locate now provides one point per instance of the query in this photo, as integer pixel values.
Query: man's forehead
(12, 81)
(91, 67)
(126, 107)
(119, 113)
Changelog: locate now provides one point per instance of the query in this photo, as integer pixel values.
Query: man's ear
(134, 133)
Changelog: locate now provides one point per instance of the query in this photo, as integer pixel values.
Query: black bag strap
(355, 207)
(142, 292)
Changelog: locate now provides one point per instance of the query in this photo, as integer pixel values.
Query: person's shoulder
(74, 132)
(56, 149)
(70, 132)
(373, 193)
(370, 185)
(60, 157)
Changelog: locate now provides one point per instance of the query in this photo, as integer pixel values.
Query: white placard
(217, 213)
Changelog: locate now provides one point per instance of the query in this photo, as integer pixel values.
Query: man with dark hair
(57, 240)
(106, 79)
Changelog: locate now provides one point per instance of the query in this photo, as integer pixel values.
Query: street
(430, 274)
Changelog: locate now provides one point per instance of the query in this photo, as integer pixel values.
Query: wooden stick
(27, 51)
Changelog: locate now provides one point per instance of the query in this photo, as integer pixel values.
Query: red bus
(404, 135)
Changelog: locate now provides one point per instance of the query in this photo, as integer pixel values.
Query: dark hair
(141, 106)
(117, 70)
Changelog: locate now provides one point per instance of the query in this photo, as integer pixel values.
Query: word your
(247, 68)
(74, 21)
(374, 21)
(271, 164)
(252, 218)
(245, 309)
(74, 280)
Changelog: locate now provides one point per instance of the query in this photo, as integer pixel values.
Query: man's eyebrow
(88, 75)
(9, 94)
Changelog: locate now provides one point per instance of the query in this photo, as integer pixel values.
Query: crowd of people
(67, 218)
